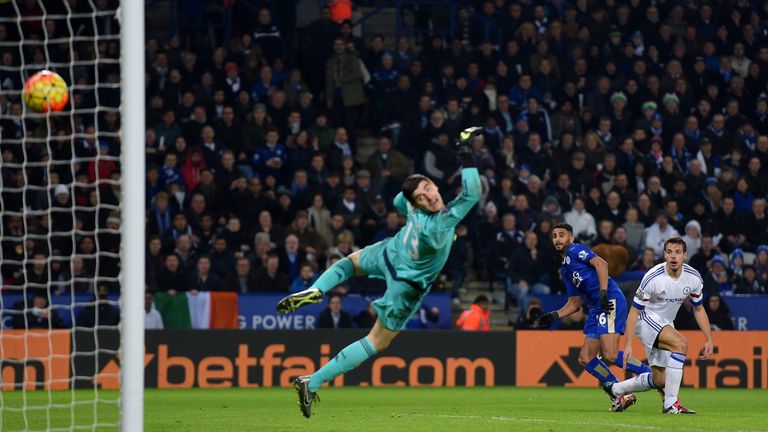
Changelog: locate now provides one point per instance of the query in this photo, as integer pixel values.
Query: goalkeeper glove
(546, 320)
(605, 302)
(464, 145)
(468, 135)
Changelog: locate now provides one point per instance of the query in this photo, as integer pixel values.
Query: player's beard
(562, 248)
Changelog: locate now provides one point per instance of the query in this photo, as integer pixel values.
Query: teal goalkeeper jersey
(420, 249)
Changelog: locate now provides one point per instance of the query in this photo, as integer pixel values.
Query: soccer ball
(46, 91)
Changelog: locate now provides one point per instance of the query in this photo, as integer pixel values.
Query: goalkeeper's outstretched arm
(471, 187)
(471, 191)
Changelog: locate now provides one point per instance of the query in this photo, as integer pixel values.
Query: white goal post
(72, 220)
(132, 298)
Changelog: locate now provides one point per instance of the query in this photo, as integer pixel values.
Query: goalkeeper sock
(633, 364)
(600, 370)
(640, 383)
(339, 272)
(346, 360)
(673, 375)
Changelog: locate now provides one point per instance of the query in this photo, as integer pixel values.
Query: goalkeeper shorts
(401, 299)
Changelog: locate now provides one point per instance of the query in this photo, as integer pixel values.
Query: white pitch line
(564, 422)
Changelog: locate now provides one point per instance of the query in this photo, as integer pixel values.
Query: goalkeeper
(409, 262)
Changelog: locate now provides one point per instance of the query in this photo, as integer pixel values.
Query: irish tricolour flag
(201, 310)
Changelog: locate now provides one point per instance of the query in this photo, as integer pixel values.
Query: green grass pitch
(402, 409)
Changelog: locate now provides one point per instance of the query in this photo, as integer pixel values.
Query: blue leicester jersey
(580, 278)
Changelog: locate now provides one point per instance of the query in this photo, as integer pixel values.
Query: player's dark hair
(564, 226)
(676, 240)
(480, 299)
(410, 185)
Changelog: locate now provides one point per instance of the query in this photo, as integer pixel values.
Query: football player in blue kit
(586, 280)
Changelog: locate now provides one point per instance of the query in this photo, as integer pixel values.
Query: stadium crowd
(632, 121)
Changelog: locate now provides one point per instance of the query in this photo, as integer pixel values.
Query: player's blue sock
(633, 364)
(339, 272)
(600, 370)
(346, 360)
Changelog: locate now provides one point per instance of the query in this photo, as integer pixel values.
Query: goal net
(61, 199)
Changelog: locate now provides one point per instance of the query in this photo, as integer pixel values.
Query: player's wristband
(466, 157)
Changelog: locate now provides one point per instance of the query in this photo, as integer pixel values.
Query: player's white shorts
(649, 326)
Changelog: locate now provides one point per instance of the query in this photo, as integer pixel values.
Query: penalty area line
(552, 421)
